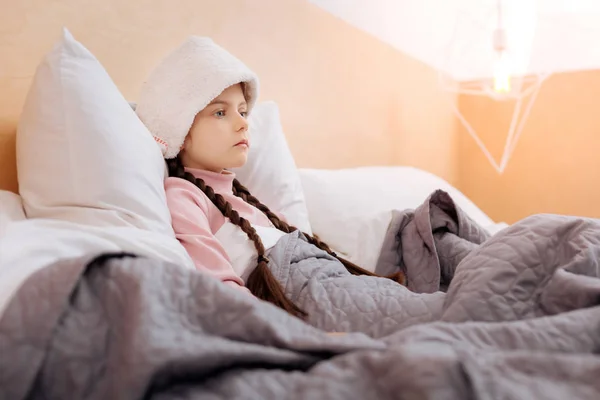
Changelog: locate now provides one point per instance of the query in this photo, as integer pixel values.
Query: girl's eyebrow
(223, 102)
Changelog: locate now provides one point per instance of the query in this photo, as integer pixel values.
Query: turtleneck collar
(221, 182)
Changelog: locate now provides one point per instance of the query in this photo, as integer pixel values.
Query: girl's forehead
(231, 94)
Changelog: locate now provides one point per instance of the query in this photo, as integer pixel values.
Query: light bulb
(501, 74)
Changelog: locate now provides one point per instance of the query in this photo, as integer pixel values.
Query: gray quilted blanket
(428, 243)
(513, 316)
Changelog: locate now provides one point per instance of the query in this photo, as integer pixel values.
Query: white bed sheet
(29, 245)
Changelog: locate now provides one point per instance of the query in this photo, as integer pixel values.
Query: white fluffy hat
(183, 84)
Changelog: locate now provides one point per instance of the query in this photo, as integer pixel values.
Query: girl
(196, 105)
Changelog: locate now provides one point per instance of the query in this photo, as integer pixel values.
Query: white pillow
(82, 153)
(90, 174)
(270, 173)
(11, 210)
(350, 209)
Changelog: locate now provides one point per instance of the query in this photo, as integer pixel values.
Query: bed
(100, 301)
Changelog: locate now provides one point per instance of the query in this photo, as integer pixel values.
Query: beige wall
(556, 166)
(346, 99)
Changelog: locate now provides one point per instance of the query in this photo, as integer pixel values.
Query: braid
(261, 281)
(241, 191)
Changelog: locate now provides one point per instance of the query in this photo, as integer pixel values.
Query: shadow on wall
(555, 166)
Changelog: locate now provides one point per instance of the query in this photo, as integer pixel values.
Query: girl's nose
(242, 124)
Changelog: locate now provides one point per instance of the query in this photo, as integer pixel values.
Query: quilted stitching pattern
(128, 327)
(338, 301)
(543, 265)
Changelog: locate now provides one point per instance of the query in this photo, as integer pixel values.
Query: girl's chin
(238, 162)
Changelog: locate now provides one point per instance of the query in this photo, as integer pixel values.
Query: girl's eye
(220, 113)
(244, 114)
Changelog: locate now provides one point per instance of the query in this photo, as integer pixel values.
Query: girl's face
(218, 138)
